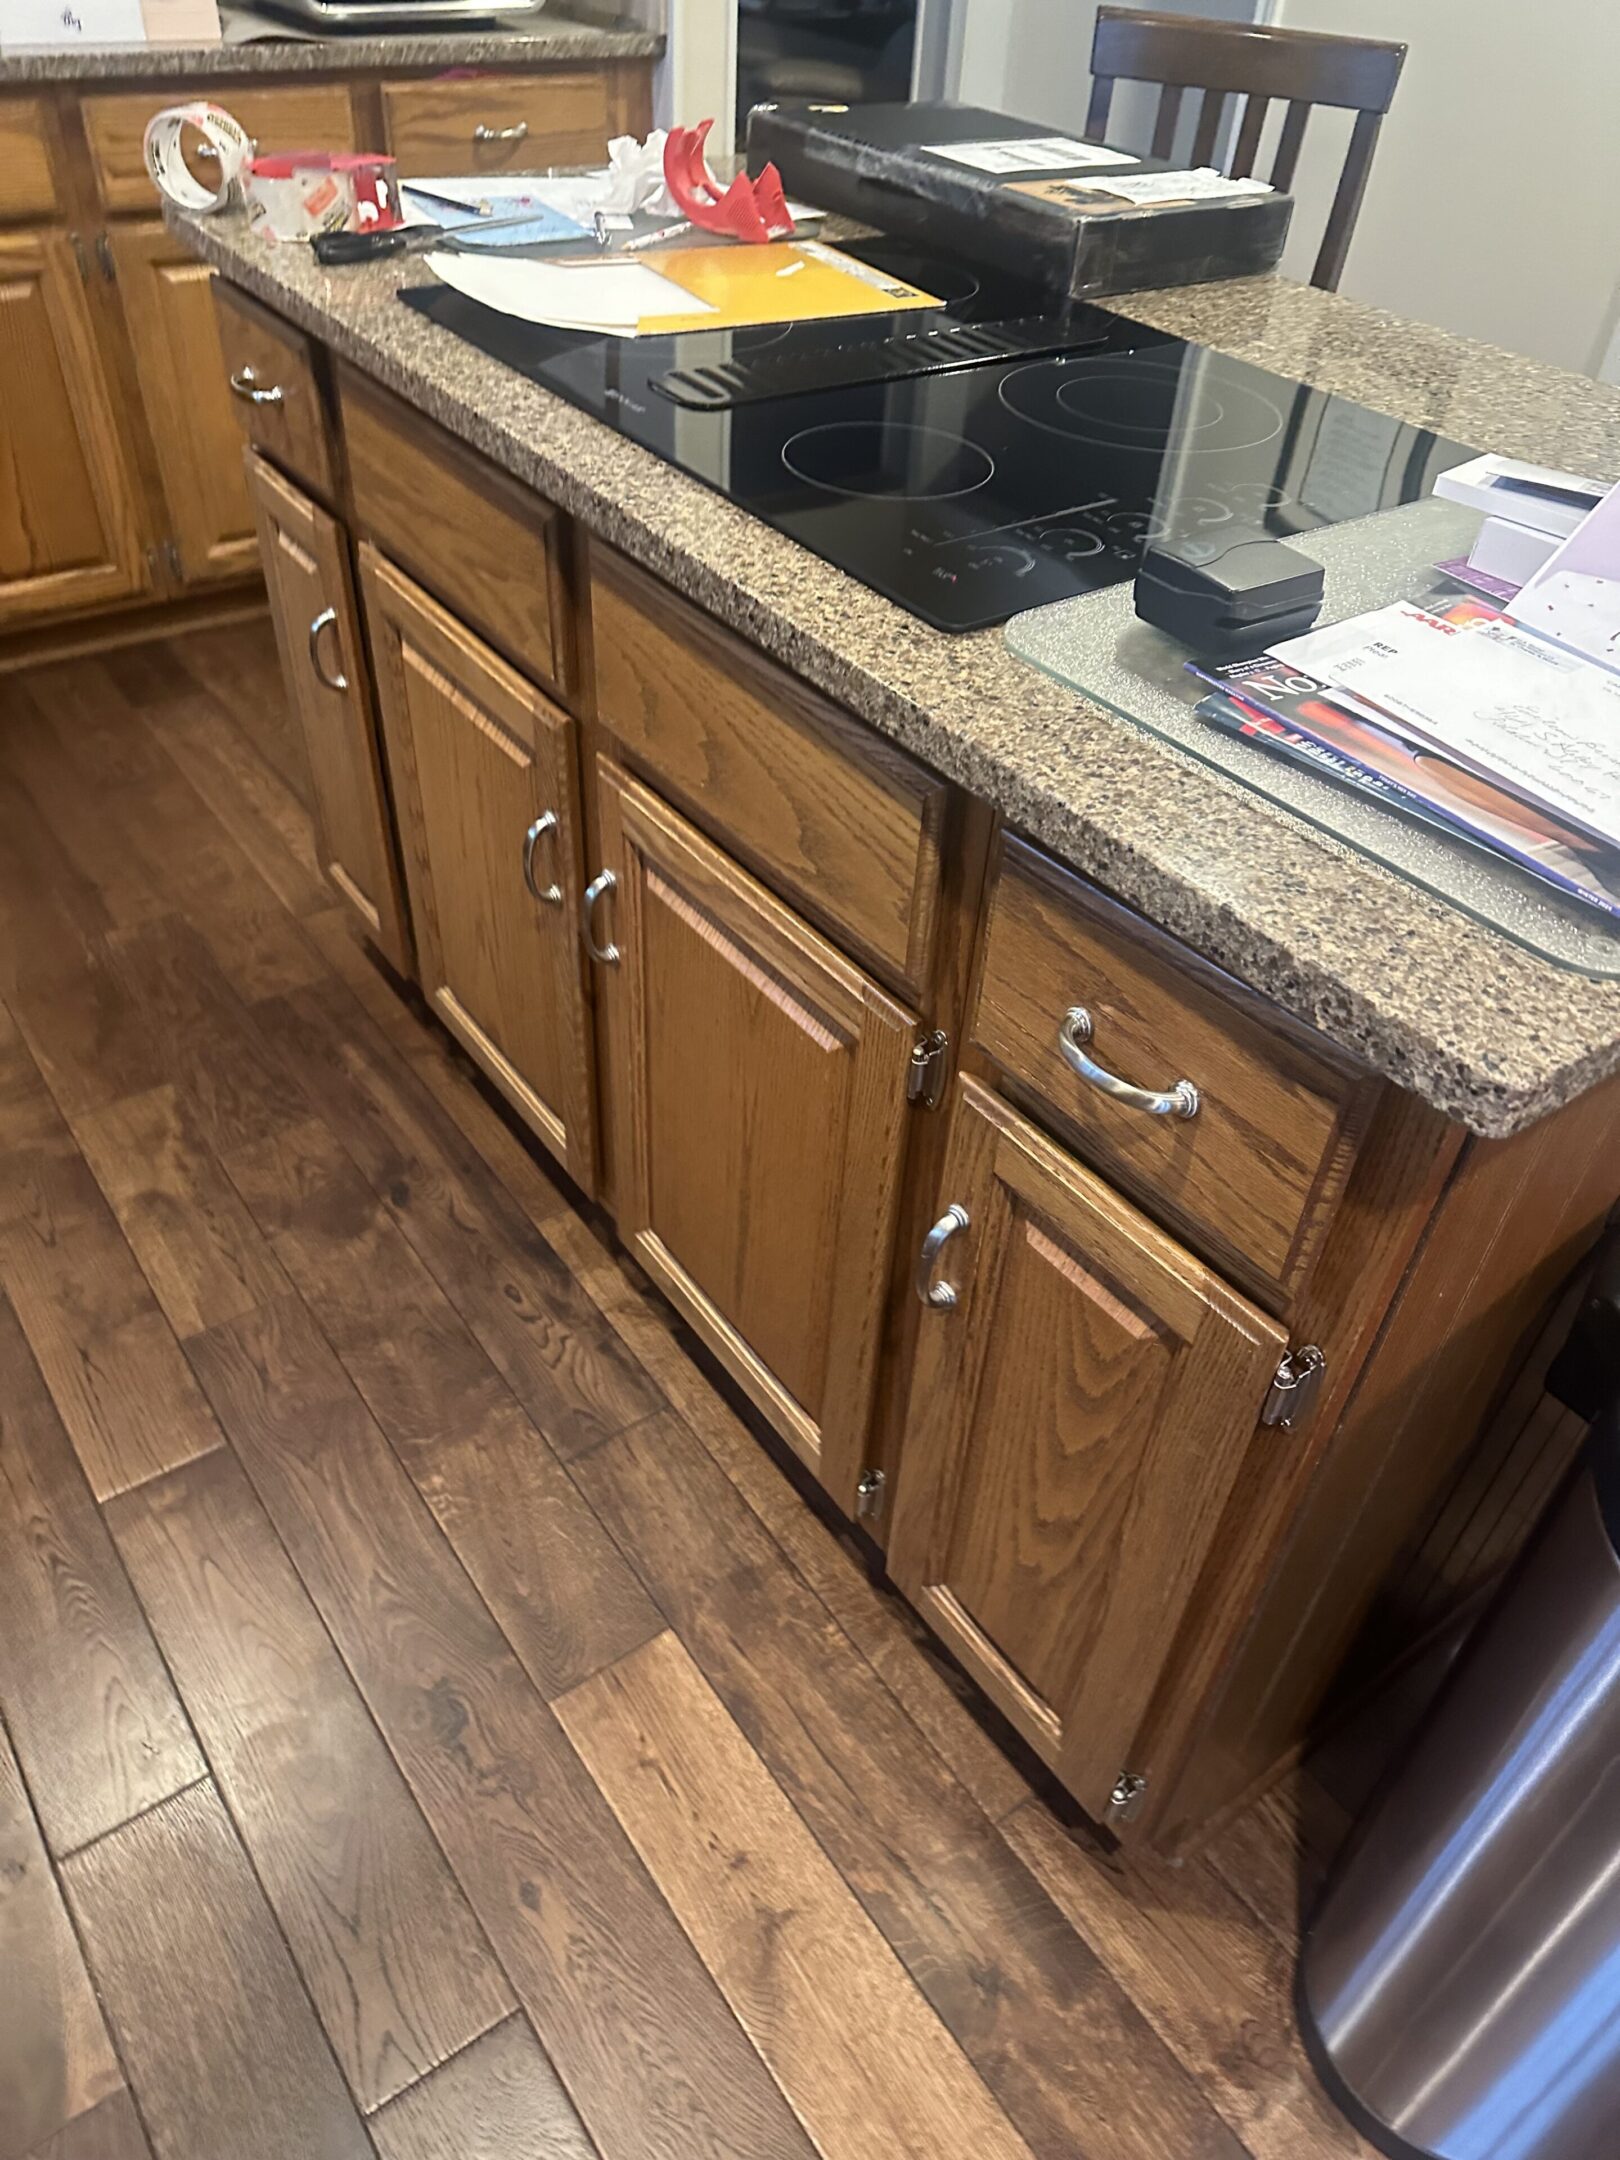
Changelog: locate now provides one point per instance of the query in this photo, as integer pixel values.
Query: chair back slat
(1102, 97)
(1347, 201)
(1288, 144)
(1211, 107)
(1164, 128)
(1247, 147)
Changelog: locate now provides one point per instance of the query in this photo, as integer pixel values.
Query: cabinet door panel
(759, 1107)
(479, 758)
(168, 306)
(68, 535)
(1076, 1421)
(307, 574)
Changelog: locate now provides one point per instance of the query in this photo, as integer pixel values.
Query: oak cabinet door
(323, 666)
(68, 532)
(758, 1099)
(168, 308)
(1082, 1397)
(486, 791)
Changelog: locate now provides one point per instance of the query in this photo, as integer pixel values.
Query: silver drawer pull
(548, 895)
(507, 134)
(325, 620)
(1076, 1031)
(938, 1295)
(247, 385)
(605, 882)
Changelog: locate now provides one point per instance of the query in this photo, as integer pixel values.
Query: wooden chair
(1223, 60)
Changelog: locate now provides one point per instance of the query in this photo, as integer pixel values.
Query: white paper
(1544, 721)
(27, 25)
(1031, 154)
(1574, 598)
(612, 297)
(1200, 183)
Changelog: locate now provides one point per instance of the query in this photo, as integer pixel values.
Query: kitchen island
(700, 848)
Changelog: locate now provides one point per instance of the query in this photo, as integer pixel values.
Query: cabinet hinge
(925, 1073)
(106, 258)
(80, 257)
(171, 557)
(869, 1494)
(1125, 1801)
(1294, 1388)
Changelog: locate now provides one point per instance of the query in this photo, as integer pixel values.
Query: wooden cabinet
(323, 666)
(292, 116)
(500, 123)
(168, 307)
(758, 1085)
(68, 531)
(485, 786)
(1083, 1397)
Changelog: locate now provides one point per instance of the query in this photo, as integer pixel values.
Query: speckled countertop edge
(551, 38)
(1475, 1025)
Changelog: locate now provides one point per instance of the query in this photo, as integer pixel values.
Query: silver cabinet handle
(604, 882)
(548, 895)
(506, 134)
(247, 385)
(325, 620)
(939, 1295)
(1180, 1101)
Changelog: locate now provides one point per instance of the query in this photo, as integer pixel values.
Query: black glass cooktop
(970, 495)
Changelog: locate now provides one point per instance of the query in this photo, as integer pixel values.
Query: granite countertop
(1468, 1020)
(549, 38)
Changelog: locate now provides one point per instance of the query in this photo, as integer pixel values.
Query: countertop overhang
(1474, 1024)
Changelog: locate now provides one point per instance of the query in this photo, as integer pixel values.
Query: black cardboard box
(1010, 207)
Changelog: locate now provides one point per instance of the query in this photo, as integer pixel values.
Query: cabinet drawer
(1279, 1112)
(821, 807)
(490, 549)
(27, 188)
(315, 116)
(499, 123)
(271, 370)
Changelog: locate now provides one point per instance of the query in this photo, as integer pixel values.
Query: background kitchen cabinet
(759, 1096)
(322, 662)
(68, 531)
(1083, 1395)
(485, 777)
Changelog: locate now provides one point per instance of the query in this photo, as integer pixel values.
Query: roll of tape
(227, 138)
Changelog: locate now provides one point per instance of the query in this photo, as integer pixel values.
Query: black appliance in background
(853, 52)
(969, 495)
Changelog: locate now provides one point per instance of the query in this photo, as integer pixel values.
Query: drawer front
(1258, 1165)
(27, 186)
(315, 116)
(834, 817)
(488, 548)
(499, 123)
(274, 394)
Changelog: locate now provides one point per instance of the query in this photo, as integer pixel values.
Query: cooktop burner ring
(864, 458)
(1047, 394)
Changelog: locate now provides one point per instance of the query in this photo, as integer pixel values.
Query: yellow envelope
(786, 281)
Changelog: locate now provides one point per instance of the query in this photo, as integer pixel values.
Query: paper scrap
(1202, 183)
(32, 25)
(1027, 154)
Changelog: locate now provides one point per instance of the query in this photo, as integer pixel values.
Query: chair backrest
(1223, 60)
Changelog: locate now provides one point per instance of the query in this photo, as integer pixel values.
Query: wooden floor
(433, 1726)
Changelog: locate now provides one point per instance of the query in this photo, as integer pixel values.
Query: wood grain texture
(392, 1957)
(56, 2061)
(236, 667)
(27, 182)
(651, 2056)
(306, 570)
(267, 353)
(286, 117)
(480, 758)
(1067, 2057)
(759, 1113)
(1075, 1425)
(111, 2131)
(868, 2067)
(1255, 1175)
(498, 2100)
(842, 823)
(90, 1709)
(218, 2036)
(564, 115)
(494, 552)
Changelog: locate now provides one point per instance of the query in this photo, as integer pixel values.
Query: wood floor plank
(196, 1242)
(56, 2061)
(650, 2053)
(110, 2132)
(396, 1965)
(498, 2100)
(536, 1324)
(1276, 1852)
(218, 2036)
(869, 2068)
(564, 1596)
(1069, 2058)
(92, 1714)
(239, 667)
(1211, 1980)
